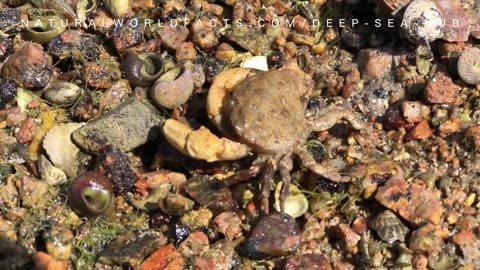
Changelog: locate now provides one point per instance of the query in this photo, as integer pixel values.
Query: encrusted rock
(415, 111)
(274, 235)
(412, 201)
(374, 64)
(131, 124)
(30, 66)
(440, 89)
(166, 257)
(307, 262)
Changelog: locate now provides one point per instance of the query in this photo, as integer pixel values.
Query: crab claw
(221, 86)
(201, 143)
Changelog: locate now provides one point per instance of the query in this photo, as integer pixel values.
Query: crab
(264, 114)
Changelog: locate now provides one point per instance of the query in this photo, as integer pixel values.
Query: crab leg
(327, 118)
(325, 171)
(285, 166)
(267, 177)
(201, 143)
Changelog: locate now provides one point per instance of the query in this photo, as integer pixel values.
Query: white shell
(60, 148)
(296, 204)
(52, 175)
(422, 22)
(256, 62)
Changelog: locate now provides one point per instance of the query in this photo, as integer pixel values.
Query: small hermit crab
(264, 114)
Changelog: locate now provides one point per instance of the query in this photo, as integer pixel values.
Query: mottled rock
(32, 191)
(128, 34)
(172, 36)
(60, 148)
(195, 245)
(229, 224)
(469, 243)
(166, 258)
(204, 32)
(412, 201)
(131, 248)
(210, 193)
(274, 235)
(440, 89)
(307, 262)
(117, 168)
(421, 131)
(349, 237)
(456, 26)
(114, 96)
(250, 39)
(131, 124)
(197, 218)
(415, 111)
(6, 48)
(472, 137)
(374, 64)
(428, 239)
(30, 66)
(102, 73)
(75, 44)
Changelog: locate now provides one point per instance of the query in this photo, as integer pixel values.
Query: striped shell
(389, 227)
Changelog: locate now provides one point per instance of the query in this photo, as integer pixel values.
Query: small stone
(229, 224)
(32, 191)
(131, 248)
(472, 137)
(114, 96)
(43, 261)
(349, 237)
(30, 66)
(131, 124)
(166, 258)
(75, 44)
(275, 235)
(307, 262)
(449, 127)
(117, 168)
(470, 245)
(440, 89)
(374, 64)
(415, 111)
(203, 34)
(129, 34)
(26, 131)
(421, 131)
(102, 73)
(210, 193)
(172, 36)
(412, 201)
(197, 218)
(6, 48)
(427, 239)
(420, 262)
(195, 245)
(186, 51)
(250, 39)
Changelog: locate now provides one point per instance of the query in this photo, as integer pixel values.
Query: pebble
(203, 34)
(129, 34)
(62, 93)
(131, 248)
(60, 148)
(197, 218)
(32, 191)
(43, 261)
(131, 124)
(30, 66)
(275, 235)
(413, 202)
(102, 73)
(307, 262)
(472, 137)
(349, 237)
(229, 224)
(172, 36)
(428, 239)
(114, 96)
(195, 245)
(166, 258)
(421, 131)
(374, 64)
(440, 89)
(415, 111)
(208, 192)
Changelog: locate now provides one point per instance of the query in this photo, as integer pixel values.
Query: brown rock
(43, 261)
(421, 131)
(195, 244)
(164, 258)
(307, 262)
(415, 111)
(172, 35)
(26, 131)
(101, 74)
(374, 64)
(412, 201)
(228, 224)
(428, 240)
(185, 51)
(205, 32)
(128, 34)
(472, 137)
(470, 246)
(349, 237)
(420, 262)
(449, 127)
(440, 89)
(30, 66)
(275, 235)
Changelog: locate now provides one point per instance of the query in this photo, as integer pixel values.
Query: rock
(472, 137)
(275, 235)
(186, 51)
(220, 256)
(307, 262)
(131, 248)
(470, 245)
(128, 34)
(210, 193)
(172, 36)
(117, 168)
(229, 224)
(102, 73)
(114, 96)
(456, 26)
(30, 66)
(58, 243)
(374, 64)
(75, 44)
(415, 111)
(32, 191)
(6, 48)
(203, 32)
(26, 131)
(195, 245)
(428, 239)
(440, 89)
(421, 131)
(250, 39)
(449, 127)
(411, 201)
(43, 261)
(51, 174)
(131, 124)
(197, 218)
(166, 258)
(349, 237)
(60, 148)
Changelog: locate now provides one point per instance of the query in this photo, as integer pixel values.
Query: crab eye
(90, 194)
